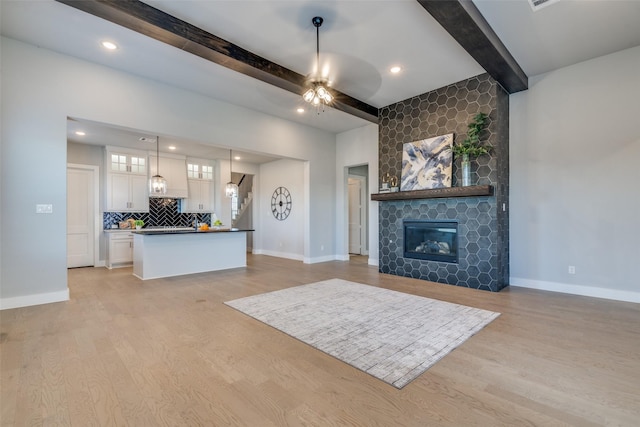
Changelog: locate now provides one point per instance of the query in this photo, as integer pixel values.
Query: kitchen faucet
(195, 221)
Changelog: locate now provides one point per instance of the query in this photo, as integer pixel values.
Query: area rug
(391, 335)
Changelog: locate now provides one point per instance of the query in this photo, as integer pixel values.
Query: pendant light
(157, 184)
(318, 95)
(231, 190)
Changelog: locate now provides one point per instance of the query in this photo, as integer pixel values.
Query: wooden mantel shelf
(471, 191)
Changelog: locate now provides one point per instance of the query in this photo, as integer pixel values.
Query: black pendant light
(231, 189)
(157, 184)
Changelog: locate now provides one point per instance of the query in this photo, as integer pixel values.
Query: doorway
(82, 206)
(358, 210)
(242, 205)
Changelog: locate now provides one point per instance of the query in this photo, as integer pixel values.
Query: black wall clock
(281, 203)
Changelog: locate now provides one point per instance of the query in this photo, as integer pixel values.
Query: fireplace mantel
(470, 191)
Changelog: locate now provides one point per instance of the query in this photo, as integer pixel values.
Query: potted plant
(471, 146)
(138, 223)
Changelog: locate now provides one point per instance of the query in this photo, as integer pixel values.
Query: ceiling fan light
(308, 95)
(318, 95)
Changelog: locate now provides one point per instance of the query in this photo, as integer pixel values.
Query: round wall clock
(281, 203)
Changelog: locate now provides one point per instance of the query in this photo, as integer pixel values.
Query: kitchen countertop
(189, 231)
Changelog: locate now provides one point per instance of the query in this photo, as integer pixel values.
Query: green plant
(138, 222)
(471, 144)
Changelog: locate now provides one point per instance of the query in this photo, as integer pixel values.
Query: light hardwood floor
(169, 352)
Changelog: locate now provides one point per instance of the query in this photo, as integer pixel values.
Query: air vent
(539, 4)
(146, 139)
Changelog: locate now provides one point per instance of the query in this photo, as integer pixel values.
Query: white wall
(575, 174)
(282, 238)
(40, 89)
(353, 148)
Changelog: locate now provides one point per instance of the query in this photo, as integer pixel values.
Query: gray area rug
(391, 335)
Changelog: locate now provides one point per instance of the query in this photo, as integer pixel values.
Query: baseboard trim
(37, 299)
(374, 262)
(295, 257)
(342, 257)
(587, 291)
(319, 259)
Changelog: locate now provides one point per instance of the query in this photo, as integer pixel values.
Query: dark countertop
(191, 231)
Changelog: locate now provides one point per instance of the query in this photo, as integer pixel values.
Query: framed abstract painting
(427, 163)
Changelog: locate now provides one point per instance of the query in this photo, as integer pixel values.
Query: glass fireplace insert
(431, 240)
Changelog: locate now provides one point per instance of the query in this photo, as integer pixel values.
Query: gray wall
(41, 88)
(353, 148)
(575, 174)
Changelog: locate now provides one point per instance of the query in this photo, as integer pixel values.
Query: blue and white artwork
(426, 163)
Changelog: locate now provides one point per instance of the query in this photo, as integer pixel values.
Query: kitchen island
(166, 253)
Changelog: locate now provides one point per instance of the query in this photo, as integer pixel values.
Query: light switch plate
(44, 209)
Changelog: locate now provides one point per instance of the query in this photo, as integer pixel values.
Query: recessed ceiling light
(395, 70)
(237, 158)
(172, 147)
(109, 45)
(300, 110)
(80, 133)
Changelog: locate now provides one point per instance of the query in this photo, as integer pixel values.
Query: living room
(573, 149)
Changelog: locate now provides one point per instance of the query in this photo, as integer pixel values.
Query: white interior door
(80, 217)
(356, 207)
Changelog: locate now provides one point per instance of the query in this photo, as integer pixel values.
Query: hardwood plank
(124, 352)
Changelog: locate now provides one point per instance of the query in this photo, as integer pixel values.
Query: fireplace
(431, 240)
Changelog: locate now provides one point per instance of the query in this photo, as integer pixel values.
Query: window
(192, 170)
(195, 171)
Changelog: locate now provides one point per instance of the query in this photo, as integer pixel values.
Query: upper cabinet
(120, 162)
(200, 174)
(174, 169)
(126, 180)
(200, 169)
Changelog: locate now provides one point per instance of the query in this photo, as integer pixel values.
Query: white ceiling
(359, 42)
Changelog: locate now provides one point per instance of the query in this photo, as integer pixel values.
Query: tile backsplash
(162, 212)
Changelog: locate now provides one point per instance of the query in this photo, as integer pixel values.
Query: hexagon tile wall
(483, 222)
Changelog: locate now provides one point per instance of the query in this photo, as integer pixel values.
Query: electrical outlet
(572, 269)
(44, 209)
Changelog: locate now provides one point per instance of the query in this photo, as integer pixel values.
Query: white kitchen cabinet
(126, 181)
(120, 249)
(200, 197)
(173, 168)
(200, 169)
(200, 176)
(127, 193)
(123, 162)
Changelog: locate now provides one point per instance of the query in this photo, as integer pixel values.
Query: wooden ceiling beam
(154, 23)
(465, 23)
